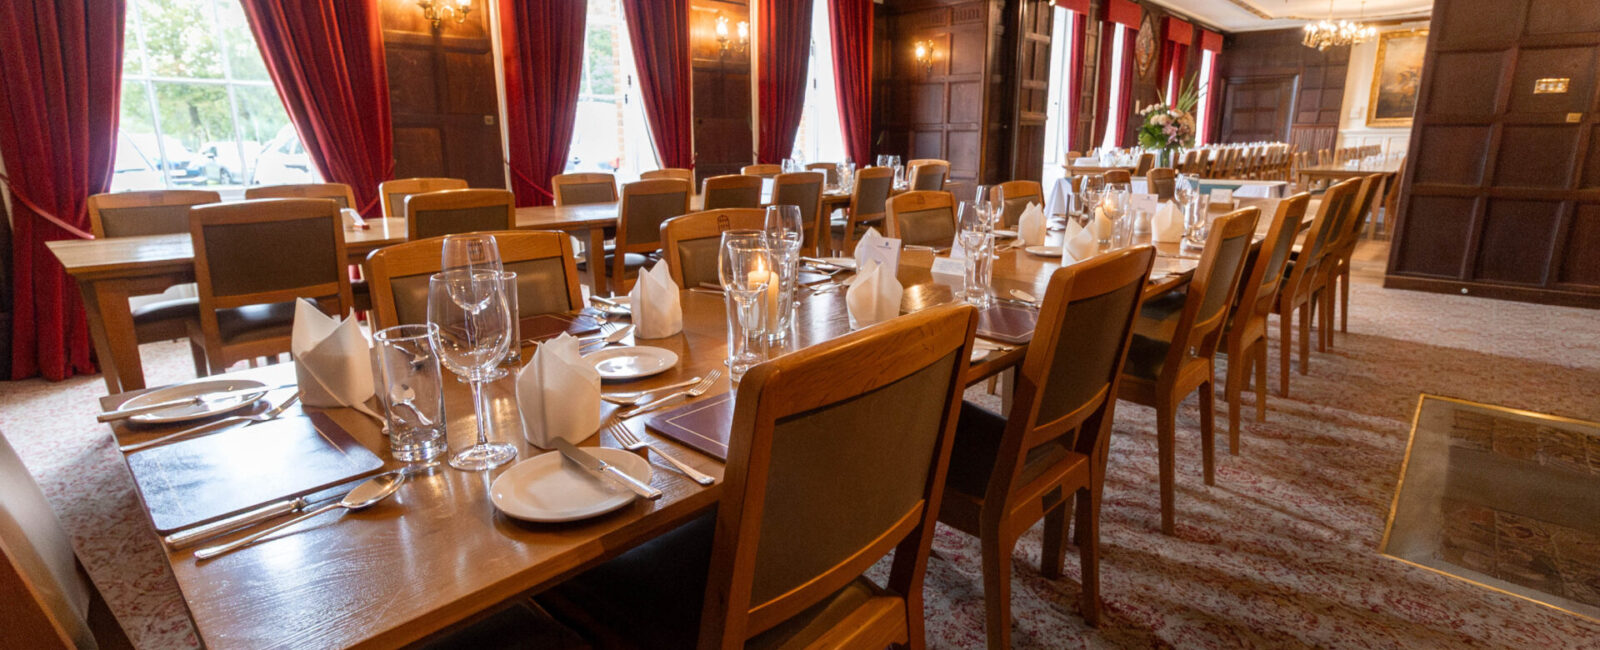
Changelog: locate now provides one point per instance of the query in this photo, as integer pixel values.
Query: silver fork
(693, 391)
(216, 426)
(636, 398)
(631, 442)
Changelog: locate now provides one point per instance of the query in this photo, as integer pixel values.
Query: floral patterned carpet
(1282, 552)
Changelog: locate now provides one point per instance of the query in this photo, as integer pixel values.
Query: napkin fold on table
(1078, 244)
(332, 360)
(558, 394)
(874, 297)
(1031, 225)
(1167, 225)
(657, 312)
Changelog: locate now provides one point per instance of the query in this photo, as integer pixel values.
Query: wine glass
(471, 337)
(1183, 190)
(975, 233)
(785, 233)
(744, 264)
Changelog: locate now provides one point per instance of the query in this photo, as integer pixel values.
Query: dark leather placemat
(1007, 322)
(703, 424)
(206, 478)
(546, 326)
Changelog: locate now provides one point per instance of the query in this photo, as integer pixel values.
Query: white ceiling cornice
(1256, 15)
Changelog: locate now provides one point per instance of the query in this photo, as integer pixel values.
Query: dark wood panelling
(1275, 88)
(723, 139)
(1500, 196)
(442, 96)
(1257, 108)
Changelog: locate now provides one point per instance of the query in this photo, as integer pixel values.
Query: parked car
(283, 161)
(222, 164)
(132, 169)
(181, 164)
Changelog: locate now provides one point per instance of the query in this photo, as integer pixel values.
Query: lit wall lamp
(438, 10)
(726, 42)
(925, 54)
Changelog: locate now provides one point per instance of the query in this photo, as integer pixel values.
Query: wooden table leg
(595, 253)
(111, 329)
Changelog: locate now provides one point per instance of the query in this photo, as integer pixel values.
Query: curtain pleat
(659, 32)
(542, 45)
(852, 60)
(785, 52)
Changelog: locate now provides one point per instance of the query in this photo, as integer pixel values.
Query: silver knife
(602, 469)
(202, 398)
(186, 538)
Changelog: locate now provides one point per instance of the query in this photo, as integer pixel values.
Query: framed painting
(1396, 77)
(1144, 46)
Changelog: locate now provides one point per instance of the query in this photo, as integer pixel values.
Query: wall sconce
(725, 41)
(438, 10)
(925, 53)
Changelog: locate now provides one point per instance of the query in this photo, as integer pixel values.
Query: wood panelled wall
(723, 139)
(1501, 196)
(1275, 88)
(442, 96)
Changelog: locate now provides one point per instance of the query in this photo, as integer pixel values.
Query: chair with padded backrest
(248, 285)
(1006, 473)
(829, 170)
(1015, 197)
(830, 468)
(868, 203)
(691, 243)
(645, 204)
(668, 172)
(922, 218)
(392, 194)
(1146, 162)
(1175, 341)
(547, 275)
(1162, 182)
(339, 192)
(804, 190)
(927, 175)
(448, 212)
(1118, 176)
(731, 191)
(579, 189)
(1245, 339)
(1302, 273)
(1338, 272)
(766, 170)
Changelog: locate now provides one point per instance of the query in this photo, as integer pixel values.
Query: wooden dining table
(438, 554)
(1388, 168)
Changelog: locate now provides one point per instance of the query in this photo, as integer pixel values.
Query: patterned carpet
(1282, 552)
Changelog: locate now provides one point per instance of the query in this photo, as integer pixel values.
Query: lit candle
(770, 313)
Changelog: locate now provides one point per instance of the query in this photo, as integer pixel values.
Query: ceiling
(1253, 15)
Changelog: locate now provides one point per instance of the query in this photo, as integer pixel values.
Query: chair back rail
(392, 194)
(448, 212)
(692, 242)
(583, 188)
(547, 275)
(156, 212)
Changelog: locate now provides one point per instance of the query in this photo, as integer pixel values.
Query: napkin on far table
(874, 297)
(558, 394)
(332, 360)
(1167, 225)
(1078, 244)
(1031, 225)
(657, 313)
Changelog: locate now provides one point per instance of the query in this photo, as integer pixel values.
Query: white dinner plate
(1044, 251)
(1012, 234)
(632, 362)
(548, 487)
(841, 262)
(194, 411)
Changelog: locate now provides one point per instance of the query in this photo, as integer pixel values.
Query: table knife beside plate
(191, 536)
(196, 399)
(603, 470)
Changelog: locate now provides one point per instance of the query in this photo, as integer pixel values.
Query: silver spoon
(372, 491)
(1024, 296)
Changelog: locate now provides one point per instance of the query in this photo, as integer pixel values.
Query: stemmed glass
(471, 337)
(785, 232)
(976, 236)
(744, 264)
(1117, 199)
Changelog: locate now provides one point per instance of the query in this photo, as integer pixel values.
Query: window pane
(192, 117)
(134, 167)
(181, 39)
(610, 133)
(244, 57)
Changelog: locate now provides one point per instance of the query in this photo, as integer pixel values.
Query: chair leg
(1089, 554)
(1238, 373)
(1344, 299)
(1260, 356)
(1325, 318)
(1305, 335)
(197, 353)
(1285, 344)
(1166, 423)
(1208, 445)
(1054, 553)
(997, 590)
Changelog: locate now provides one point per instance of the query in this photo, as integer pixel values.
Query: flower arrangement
(1169, 126)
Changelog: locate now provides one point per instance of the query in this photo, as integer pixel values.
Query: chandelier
(1328, 33)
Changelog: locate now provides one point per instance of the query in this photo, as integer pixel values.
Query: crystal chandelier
(1330, 33)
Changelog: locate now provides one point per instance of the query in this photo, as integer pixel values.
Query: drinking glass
(1118, 196)
(508, 284)
(470, 252)
(1184, 188)
(1197, 222)
(785, 232)
(977, 240)
(412, 390)
(744, 265)
(472, 332)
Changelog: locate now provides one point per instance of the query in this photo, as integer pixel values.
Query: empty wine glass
(471, 337)
(785, 232)
(744, 264)
(976, 241)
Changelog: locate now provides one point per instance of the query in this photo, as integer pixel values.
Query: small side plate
(632, 362)
(1044, 251)
(194, 411)
(547, 488)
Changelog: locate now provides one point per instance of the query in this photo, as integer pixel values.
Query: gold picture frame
(1396, 78)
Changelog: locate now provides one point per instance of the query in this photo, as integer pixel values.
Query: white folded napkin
(1031, 225)
(656, 311)
(1167, 225)
(332, 360)
(1078, 245)
(558, 394)
(1103, 224)
(353, 220)
(874, 297)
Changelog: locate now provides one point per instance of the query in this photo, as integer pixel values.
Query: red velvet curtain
(785, 31)
(326, 59)
(59, 102)
(852, 61)
(542, 45)
(1127, 14)
(1174, 56)
(659, 31)
(1211, 42)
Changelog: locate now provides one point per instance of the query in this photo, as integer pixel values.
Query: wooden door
(1258, 109)
(442, 97)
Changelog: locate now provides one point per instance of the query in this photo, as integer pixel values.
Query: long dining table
(438, 554)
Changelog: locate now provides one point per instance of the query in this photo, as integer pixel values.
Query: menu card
(702, 424)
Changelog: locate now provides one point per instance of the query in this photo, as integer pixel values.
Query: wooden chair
(392, 194)
(922, 218)
(691, 243)
(669, 172)
(868, 204)
(1008, 473)
(927, 175)
(339, 192)
(829, 170)
(252, 260)
(448, 212)
(645, 204)
(1146, 162)
(731, 191)
(1118, 176)
(804, 189)
(165, 317)
(1299, 284)
(48, 599)
(1015, 197)
(1245, 340)
(1175, 339)
(580, 189)
(762, 170)
(1338, 274)
(547, 275)
(1162, 182)
(830, 467)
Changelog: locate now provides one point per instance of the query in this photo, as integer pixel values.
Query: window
(198, 108)
(1202, 108)
(1061, 111)
(610, 133)
(820, 137)
(1110, 138)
